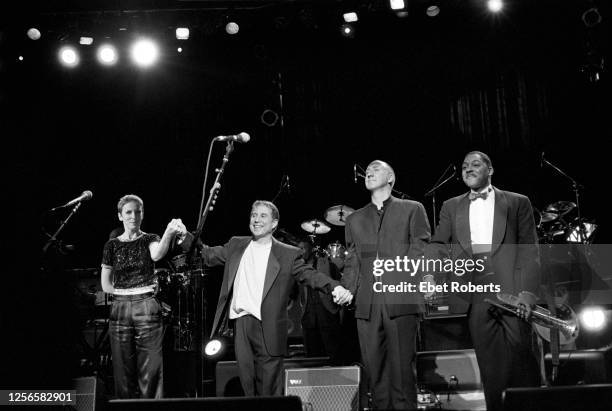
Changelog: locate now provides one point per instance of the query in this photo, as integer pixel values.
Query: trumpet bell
(566, 321)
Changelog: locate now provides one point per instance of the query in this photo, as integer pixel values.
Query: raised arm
(159, 248)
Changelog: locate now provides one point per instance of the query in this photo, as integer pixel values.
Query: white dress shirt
(481, 221)
(249, 281)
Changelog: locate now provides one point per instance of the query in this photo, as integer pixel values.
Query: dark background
(415, 91)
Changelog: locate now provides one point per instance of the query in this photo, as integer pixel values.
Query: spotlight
(591, 17)
(20, 58)
(347, 30)
(107, 54)
(232, 27)
(87, 41)
(33, 33)
(433, 10)
(214, 348)
(144, 52)
(593, 318)
(397, 4)
(179, 49)
(68, 56)
(495, 5)
(350, 17)
(182, 33)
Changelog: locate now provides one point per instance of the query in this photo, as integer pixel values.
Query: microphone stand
(432, 193)
(61, 227)
(576, 189)
(210, 203)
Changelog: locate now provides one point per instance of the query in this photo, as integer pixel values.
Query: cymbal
(547, 217)
(336, 215)
(561, 207)
(315, 226)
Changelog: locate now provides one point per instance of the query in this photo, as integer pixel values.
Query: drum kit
(560, 224)
(336, 216)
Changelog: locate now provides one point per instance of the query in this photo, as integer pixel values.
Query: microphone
(288, 184)
(86, 195)
(239, 138)
(355, 172)
(456, 174)
(542, 160)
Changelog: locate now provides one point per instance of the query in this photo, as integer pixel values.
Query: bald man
(386, 229)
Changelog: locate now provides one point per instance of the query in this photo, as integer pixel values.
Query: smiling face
(378, 174)
(262, 224)
(476, 172)
(131, 215)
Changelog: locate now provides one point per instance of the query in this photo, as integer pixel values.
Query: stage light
(86, 41)
(347, 30)
(232, 27)
(214, 348)
(593, 318)
(182, 33)
(432, 11)
(350, 17)
(591, 17)
(495, 5)
(20, 58)
(180, 49)
(397, 4)
(145, 52)
(33, 33)
(107, 55)
(68, 56)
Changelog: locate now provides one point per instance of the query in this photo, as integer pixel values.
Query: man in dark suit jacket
(377, 236)
(259, 275)
(498, 228)
(321, 321)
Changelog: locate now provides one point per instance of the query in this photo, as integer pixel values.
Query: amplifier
(325, 388)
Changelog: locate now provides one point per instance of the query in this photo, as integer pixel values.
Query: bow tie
(473, 196)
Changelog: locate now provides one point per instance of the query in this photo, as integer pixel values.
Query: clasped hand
(176, 226)
(342, 296)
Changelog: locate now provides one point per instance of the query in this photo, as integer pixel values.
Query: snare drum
(336, 250)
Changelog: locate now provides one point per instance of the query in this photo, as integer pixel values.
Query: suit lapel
(463, 224)
(235, 262)
(272, 269)
(499, 219)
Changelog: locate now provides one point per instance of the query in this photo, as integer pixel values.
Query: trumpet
(542, 319)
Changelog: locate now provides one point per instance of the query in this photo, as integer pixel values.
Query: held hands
(429, 296)
(526, 300)
(342, 296)
(176, 227)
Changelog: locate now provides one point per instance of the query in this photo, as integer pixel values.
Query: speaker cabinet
(87, 393)
(593, 397)
(208, 404)
(582, 367)
(325, 388)
(228, 381)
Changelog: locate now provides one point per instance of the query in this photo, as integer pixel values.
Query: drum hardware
(541, 318)
(336, 250)
(314, 227)
(336, 215)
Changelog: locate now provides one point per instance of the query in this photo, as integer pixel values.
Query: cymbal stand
(576, 189)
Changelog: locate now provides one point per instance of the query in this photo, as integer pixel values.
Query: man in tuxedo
(498, 229)
(385, 230)
(258, 277)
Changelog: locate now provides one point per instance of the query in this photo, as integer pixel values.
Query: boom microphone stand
(432, 193)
